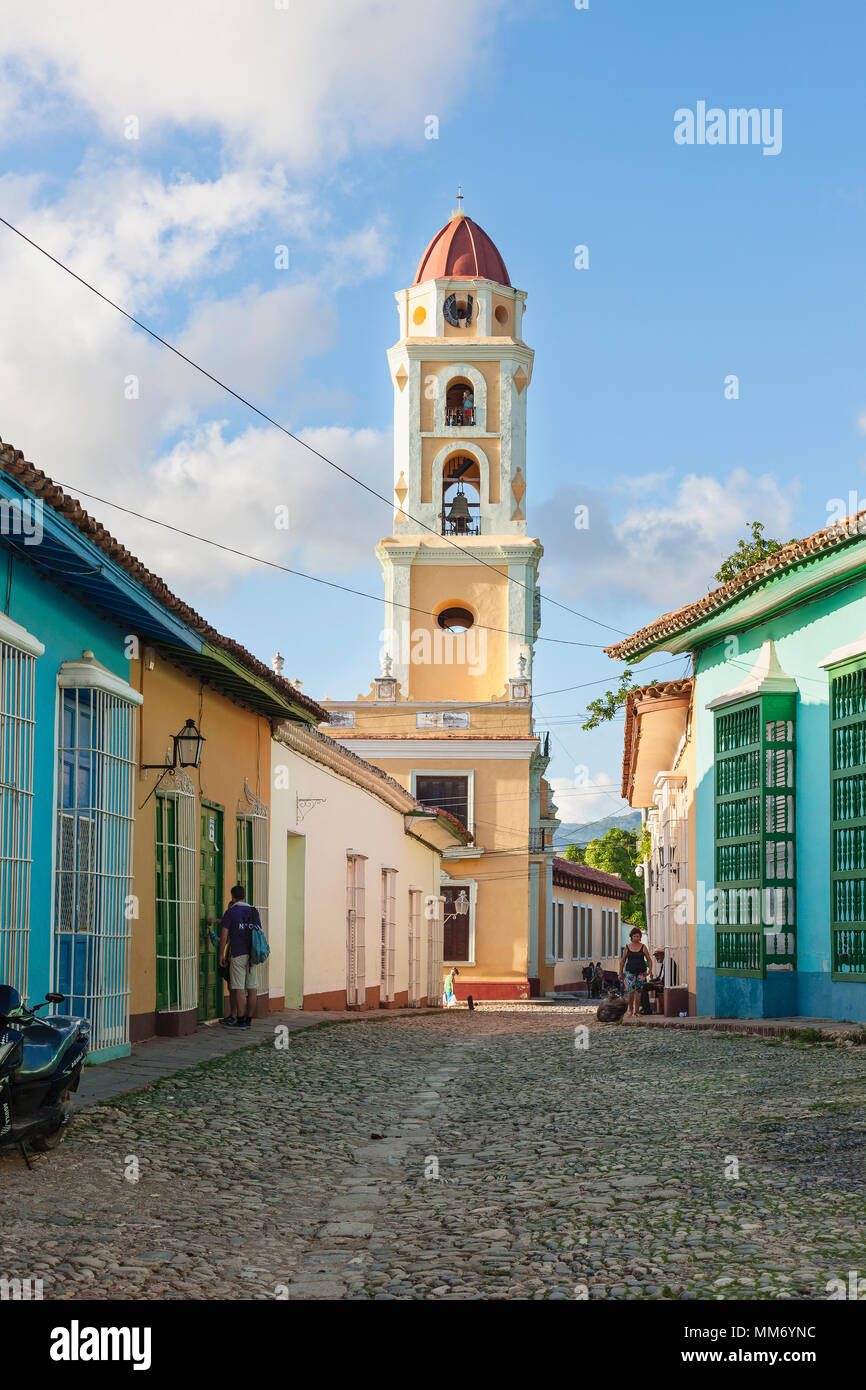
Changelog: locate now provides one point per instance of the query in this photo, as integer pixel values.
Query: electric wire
(243, 400)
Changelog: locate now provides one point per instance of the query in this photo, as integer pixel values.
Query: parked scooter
(40, 1064)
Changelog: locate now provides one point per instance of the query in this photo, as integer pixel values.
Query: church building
(450, 715)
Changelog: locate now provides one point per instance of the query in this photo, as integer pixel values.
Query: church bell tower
(460, 573)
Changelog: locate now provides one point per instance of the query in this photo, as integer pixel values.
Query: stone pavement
(161, 1057)
(520, 1152)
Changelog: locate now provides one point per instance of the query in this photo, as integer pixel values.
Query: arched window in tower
(461, 497)
(459, 404)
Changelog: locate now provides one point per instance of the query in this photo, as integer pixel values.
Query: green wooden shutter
(755, 868)
(848, 821)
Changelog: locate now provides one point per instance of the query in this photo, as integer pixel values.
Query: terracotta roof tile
(792, 556)
(584, 874)
(644, 692)
(14, 464)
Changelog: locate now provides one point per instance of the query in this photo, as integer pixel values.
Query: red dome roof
(461, 250)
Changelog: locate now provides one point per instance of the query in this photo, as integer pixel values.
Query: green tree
(575, 854)
(748, 552)
(606, 706)
(618, 852)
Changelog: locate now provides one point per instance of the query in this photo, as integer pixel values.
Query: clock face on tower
(455, 314)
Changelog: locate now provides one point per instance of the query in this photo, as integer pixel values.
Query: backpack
(259, 948)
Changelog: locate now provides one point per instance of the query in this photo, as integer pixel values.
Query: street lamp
(187, 747)
(461, 903)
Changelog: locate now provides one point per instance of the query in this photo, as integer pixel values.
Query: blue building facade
(68, 626)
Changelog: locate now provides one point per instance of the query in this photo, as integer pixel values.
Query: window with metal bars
(355, 930)
(176, 895)
(388, 940)
(434, 911)
(253, 861)
(848, 821)
(415, 897)
(17, 674)
(93, 875)
(755, 861)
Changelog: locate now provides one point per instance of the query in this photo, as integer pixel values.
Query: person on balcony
(468, 407)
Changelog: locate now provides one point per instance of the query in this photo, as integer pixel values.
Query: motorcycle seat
(44, 1045)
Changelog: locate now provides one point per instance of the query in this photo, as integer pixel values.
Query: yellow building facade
(450, 716)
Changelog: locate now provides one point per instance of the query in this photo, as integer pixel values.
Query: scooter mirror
(54, 998)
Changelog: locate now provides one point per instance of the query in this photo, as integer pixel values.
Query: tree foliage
(748, 552)
(618, 852)
(606, 706)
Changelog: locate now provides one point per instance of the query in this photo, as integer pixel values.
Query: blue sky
(305, 128)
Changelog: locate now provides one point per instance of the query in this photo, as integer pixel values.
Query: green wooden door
(211, 907)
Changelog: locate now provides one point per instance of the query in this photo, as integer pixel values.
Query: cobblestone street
(460, 1156)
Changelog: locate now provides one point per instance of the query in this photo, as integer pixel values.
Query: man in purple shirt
(236, 930)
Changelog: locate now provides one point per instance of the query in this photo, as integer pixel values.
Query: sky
(254, 180)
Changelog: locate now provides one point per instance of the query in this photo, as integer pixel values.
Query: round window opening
(501, 314)
(455, 619)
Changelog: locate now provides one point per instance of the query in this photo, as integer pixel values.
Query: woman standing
(633, 966)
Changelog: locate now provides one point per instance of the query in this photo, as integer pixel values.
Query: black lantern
(186, 750)
(187, 746)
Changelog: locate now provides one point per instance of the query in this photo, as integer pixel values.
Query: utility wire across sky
(263, 415)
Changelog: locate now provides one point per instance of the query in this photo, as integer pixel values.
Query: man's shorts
(242, 975)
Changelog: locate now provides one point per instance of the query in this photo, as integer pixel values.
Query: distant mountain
(582, 834)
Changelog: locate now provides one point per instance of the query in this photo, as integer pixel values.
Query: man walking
(236, 930)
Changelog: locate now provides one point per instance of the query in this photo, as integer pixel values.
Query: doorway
(296, 857)
(211, 908)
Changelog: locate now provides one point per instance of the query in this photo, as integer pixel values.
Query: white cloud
(301, 82)
(236, 489)
(665, 551)
(68, 362)
(583, 799)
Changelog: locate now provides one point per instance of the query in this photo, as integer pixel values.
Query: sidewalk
(766, 1027)
(159, 1057)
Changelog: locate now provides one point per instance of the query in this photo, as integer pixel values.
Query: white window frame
(471, 886)
(101, 892)
(435, 913)
(468, 773)
(251, 810)
(388, 937)
(356, 985)
(416, 898)
(177, 787)
(18, 653)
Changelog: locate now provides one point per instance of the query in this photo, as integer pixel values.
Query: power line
(300, 574)
(61, 265)
(565, 689)
(406, 708)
